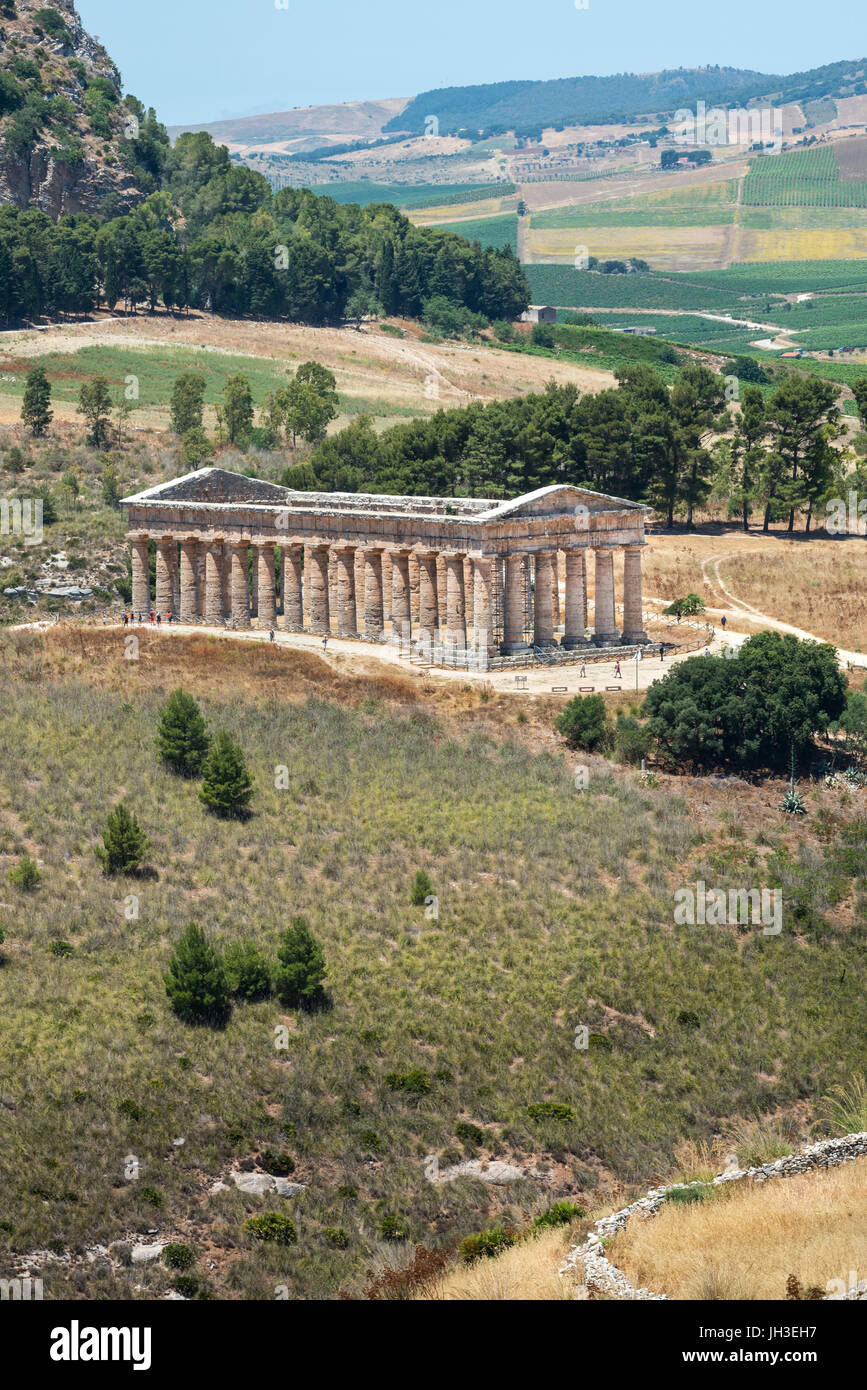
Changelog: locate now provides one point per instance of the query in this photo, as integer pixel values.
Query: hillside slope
(67, 140)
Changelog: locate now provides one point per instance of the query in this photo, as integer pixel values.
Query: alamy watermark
(701, 906)
(846, 516)
(22, 517)
(720, 125)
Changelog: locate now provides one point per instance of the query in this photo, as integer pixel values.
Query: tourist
(583, 672)
(723, 621)
(325, 643)
(159, 619)
(662, 651)
(617, 675)
(271, 635)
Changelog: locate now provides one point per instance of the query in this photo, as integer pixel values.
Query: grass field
(554, 909)
(802, 178)
(564, 285)
(747, 1239)
(663, 246)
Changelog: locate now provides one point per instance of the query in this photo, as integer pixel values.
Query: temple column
(605, 623)
(226, 568)
(387, 585)
(332, 589)
(413, 589)
(239, 584)
(543, 605)
(469, 583)
(456, 625)
(188, 608)
(428, 603)
(575, 608)
(555, 590)
(293, 614)
(141, 586)
(263, 567)
(632, 596)
(176, 578)
(373, 595)
(513, 606)
(316, 573)
(442, 594)
(214, 582)
(254, 585)
(401, 621)
(347, 612)
(481, 605)
(165, 546)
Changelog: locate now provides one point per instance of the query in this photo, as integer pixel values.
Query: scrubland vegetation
(553, 910)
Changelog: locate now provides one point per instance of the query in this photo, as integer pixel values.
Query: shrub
(393, 1228)
(469, 1134)
(422, 889)
(196, 448)
(301, 967)
(631, 739)
(583, 722)
(550, 1110)
(279, 1164)
(413, 1083)
(226, 784)
(182, 738)
(559, 1214)
(124, 844)
(336, 1237)
(272, 1228)
(60, 949)
(187, 1285)
(196, 980)
(178, 1256)
(248, 973)
(793, 803)
(687, 606)
(486, 1244)
(25, 874)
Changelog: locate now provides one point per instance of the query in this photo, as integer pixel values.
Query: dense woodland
(641, 440)
(215, 237)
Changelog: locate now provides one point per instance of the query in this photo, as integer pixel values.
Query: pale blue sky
(201, 60)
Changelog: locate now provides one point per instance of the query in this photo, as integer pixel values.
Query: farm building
(539, 313)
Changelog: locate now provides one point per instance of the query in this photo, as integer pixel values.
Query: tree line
(215, 237)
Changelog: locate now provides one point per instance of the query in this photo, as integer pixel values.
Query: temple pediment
(557, 500)
(215, 485)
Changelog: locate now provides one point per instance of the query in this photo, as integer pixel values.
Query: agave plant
(793, 803)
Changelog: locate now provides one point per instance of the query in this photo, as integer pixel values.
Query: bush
(422, 889)
(687, 606)
(183, 740)
(413, 1083)
(301, 967)
(187, 1285)
(25, 874)
(178, 1256)
(226, 784)
(272, 1228)
(393, 1228)
(550, 1110)
(631, 739)
(196, 981)
(196, 447)
(280, 1164)
(470, 1135)
(583, 722)
(487, 1244)
(248, 973)
(124, 844)
(336, 1237)
(61, 949)
(560, 1214)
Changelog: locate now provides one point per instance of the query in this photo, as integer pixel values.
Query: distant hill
(305, 128)
(530, 106)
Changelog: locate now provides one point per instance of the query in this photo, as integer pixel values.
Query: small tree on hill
(226, 783)
(188, 400)
(25, 874)
(196, 980)
(36, 410)
(237, 409)
(583, 723)
(422, 889)
(248, 973)
(95, 404)
(183, 740)
(301, 967)
(124, 844)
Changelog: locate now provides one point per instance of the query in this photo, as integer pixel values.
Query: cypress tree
(36, 410)
(301, 967)
(226, 784)
(183, 740)
(196, 980)
(124, 843)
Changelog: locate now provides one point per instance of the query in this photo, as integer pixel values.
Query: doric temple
(462, 581)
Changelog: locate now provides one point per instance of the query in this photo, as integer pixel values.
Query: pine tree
(226, 784)
(94, 403)
(188, 398)
(183, 740)
(422, 889)
(301, 967)
(124, 843)
(36, 411)
(196, 980)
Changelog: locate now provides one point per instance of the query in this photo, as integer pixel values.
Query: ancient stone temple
(457, 581)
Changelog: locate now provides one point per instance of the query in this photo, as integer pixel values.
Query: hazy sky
(200, 60)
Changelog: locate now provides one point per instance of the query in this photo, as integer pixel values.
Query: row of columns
(439, 597)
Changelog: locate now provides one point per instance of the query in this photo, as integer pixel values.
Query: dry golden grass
(666, 248)
(527, 1271)
(831, 243)
(747, 1240)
